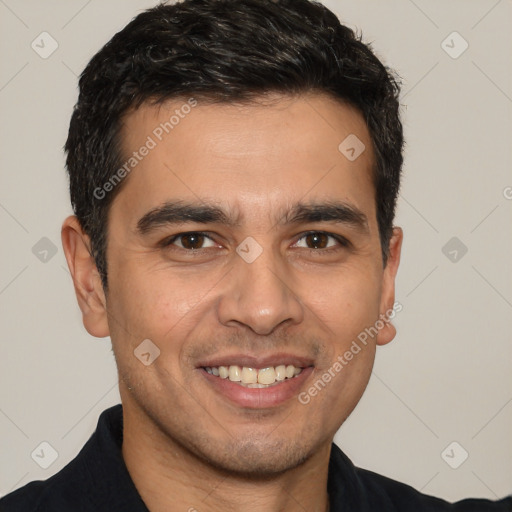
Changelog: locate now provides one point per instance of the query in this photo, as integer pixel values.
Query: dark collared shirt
(97, 481)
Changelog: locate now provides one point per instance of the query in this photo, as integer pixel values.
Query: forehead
(247, 156)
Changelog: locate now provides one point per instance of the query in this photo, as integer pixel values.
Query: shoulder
(403, 497)
(95, 480)
(58, 493)
(369, 491)
(75, 487)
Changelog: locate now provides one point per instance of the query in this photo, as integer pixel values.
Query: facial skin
(185, 441)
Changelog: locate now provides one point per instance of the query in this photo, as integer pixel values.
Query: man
(234, 167)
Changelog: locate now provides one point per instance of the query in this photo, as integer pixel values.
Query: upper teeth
(253, 377)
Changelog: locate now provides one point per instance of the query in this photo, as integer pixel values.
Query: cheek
(346, 301)
(159, 304)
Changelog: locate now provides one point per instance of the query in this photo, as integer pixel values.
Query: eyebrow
(337, 212)
(179, 212)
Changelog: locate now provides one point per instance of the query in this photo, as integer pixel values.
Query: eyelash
(342, 241)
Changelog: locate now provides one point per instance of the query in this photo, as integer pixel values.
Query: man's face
(256, 281)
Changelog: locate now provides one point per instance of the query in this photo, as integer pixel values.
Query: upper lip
(251, 361)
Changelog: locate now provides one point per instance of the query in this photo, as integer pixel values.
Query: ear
(86, 278)
(387, 301)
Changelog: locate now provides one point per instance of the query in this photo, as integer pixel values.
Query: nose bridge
(259, 295)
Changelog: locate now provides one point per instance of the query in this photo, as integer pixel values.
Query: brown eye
(317, 240)
(192, 241)
(320, 240)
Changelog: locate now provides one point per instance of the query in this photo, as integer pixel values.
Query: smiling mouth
(254, 377)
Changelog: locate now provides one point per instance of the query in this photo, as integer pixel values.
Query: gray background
(447, 375)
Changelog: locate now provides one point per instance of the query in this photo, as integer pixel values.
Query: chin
(258, 459)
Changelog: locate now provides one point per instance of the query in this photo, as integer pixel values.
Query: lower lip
(258, 398)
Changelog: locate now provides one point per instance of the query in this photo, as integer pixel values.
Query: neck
(168, 476)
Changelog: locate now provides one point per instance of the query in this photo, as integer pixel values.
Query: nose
(260, 296)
